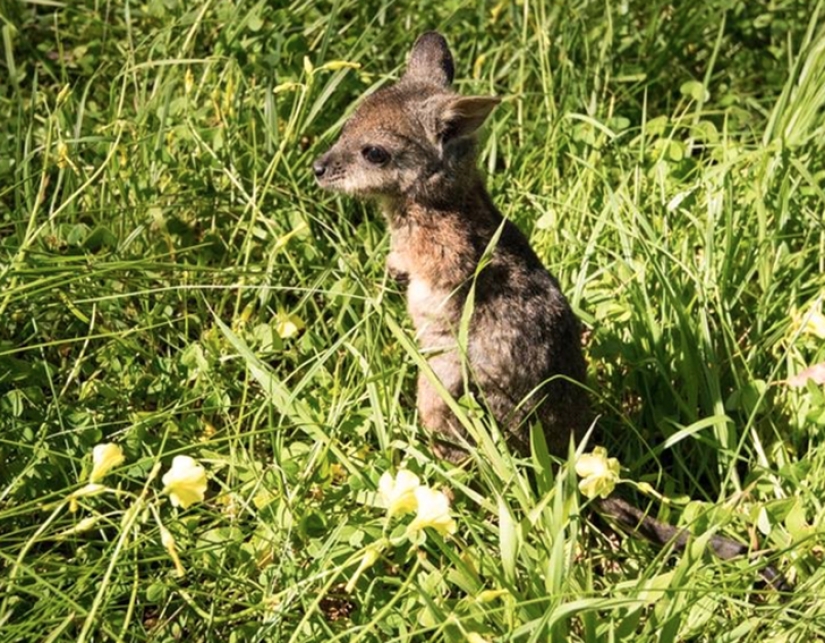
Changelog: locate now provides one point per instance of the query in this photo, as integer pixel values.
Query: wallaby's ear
(431, 60)
(463, 115)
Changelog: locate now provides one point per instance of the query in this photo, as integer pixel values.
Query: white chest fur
(429, 310)
(423, 298)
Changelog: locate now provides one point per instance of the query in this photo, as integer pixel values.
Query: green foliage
(171, 280)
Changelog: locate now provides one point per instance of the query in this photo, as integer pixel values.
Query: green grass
(159, 226)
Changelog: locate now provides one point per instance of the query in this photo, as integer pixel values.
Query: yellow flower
(309, 68)
(287, 87)
(398, 494)
(812, 322)
(168, 541)
(185, 482)
(371, 554)
(84, 525)
(478, 65)
(433, 512)
(63, 94)
(287, 325)
(91, 489)
(335, 65)
(63, 159)
(475, 637)
(188, 81)
(489, 595)
(600, 473)
(105, 457)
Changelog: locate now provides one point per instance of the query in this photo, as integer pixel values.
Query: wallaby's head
(413, 139)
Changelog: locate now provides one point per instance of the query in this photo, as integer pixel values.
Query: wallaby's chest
(435, 313)
(437, 253)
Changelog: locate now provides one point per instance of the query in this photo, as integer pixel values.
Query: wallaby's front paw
(448, 451)
(398, 276)
(397, 269)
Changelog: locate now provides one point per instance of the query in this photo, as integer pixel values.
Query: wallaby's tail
(633, 519)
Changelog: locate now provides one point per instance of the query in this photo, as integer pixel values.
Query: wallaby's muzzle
(319, 167)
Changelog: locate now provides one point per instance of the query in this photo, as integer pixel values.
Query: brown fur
(524, 341)
(411, 146)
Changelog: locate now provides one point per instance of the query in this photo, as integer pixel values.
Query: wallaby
(411, 146)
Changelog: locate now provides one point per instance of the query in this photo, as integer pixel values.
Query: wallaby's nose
(319, 167)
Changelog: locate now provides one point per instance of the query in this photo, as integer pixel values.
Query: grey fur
(524, 340)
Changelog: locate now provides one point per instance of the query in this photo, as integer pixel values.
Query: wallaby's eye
(375, 155)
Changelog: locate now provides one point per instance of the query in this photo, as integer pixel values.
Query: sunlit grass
(172, 281)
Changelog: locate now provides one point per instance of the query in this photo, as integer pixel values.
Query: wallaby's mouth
(326, 175)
